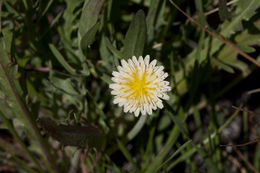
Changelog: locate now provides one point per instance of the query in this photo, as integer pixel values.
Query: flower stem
(137, 128)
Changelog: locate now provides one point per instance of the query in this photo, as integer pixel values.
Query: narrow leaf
(113, 49)
(89, 37)
(176, 119)
(61, 59)
(136, 36)
(89, 15)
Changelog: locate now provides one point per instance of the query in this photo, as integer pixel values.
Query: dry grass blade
(249, 58)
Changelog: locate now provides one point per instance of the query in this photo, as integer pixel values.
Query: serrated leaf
(244, 11)
(223, 66)
(69, 17)
(89, 37)
(135, 37)
(244, 40)
(80, 136)
(89, 15)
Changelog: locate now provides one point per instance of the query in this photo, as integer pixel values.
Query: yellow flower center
(138, 87)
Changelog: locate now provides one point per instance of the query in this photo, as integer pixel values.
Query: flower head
(139, 85)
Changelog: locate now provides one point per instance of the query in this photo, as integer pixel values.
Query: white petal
(137, 112)
(159, 104)
(120, 69)
(153, 63)
(164, 76)
(118, 100)
(141, 60)
(149, 110)
(126, 108)
(135, 61)
(147, 60)
(114, 86)
(165, 96)
(143, 110)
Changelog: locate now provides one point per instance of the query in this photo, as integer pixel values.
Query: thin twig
(253, 91)
(249, 58)
(244, 110)
(241, 145)
(246, 161)
(40, 69)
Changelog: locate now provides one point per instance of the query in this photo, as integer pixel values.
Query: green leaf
(190, 152)
(8, 100)
(80, 136)
(8, 37)
(172, 114)
(115, 52)
(171, 140)
(65, 85)
(135, 37)
(244, 41)
(89, 37)
(89, 15)
(69, 17)
(223, 11)
(180, 149)
(244, 11)
(151, 19)
(44, 7)
(223, 66)
(61, 59)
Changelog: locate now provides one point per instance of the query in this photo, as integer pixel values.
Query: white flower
(139, 85)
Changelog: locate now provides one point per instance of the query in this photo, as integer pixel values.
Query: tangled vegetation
(56, 108)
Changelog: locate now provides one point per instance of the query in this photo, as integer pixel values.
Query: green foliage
(80, 136)
(56, 63)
